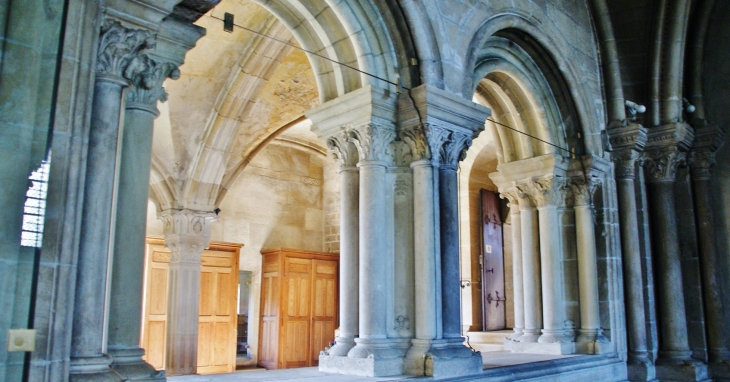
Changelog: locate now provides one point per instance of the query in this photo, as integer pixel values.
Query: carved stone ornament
(708, 140)
(426, 141)
(544, 191)
(400, 188)
(661, 165)
(625, 163)
(187, 234)
(118, 50)
(701, 162)
(525, 192)
(512, 195)
(373, 141)
(147, 85)
(342, 149)
(454, 150)
(582, 190)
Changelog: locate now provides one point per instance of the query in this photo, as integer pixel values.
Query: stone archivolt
(118, 50)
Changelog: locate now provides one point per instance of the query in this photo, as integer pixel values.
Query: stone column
(187, 234)
(117, 63)
(708, 140)
(125, 309)
(517, 269)
(453, 152)
(590, 321)
(530, 243)
(346, 153)
(550, 194)
(373, 144)
(626, 142)
(661, 162)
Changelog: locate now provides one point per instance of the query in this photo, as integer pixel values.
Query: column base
(372, 366)
(443, 358)
(342, 346)
(516, 335)
(719, 371)
(641, 370)
(688, 370)
(592, 342)
(551, 336)
(93, 369)
(378, 348)
(558, 348)
(129, 363)
(529, 335)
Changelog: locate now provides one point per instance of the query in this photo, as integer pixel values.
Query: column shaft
(425, 250)
(97, 232)
(590, 322)
(714, 310)
(673, 325)
(183, 304)
(550, 266)
(517, 273)
(633, 281)
(349, 261)
(531, 272)
(372, 267)
(449, 224)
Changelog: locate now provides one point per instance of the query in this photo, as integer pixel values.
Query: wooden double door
(493, 288)
(217, 317)
(298, 307)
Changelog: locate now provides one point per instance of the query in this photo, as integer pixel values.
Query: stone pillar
(373, 144)
(532, 288)
(349, 244)
(625, 143)
(125, 309)
(117, 63)
(590, 322)
(550, 194)
(517, 269)
(187, 234)
(707, 141)
(663, 156)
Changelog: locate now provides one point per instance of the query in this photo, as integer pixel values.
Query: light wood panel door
(217, 316)
(324, 307)
(155, 323)
(296, 321)
(270, 310)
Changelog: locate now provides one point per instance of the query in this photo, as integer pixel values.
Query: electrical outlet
(21, 340)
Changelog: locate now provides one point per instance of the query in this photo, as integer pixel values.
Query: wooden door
(270, 310)
(296, 320)
(217, 316)
(155, 323)
(324, 307)
(493, 290)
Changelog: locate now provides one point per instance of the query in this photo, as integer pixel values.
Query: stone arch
(536, 49)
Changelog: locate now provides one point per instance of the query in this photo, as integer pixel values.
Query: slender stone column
(551, 194)
(625, 143)
(125, 310)
(117, 62)
(661, 168)
(708, 140)
(187, 234)
(590, 321)
(517, 269)
(372, 141)
(453, 152)
(530, 265)
(349, 244)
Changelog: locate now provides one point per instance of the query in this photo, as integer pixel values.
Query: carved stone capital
(454, 150)
(147, 85)
(513, 197)
(625, 163)
(582, 190)
(661, 164)
(187, 234)
(344, 151)
(707, 141)
(119, 47)
(543, 191)
(373, 141)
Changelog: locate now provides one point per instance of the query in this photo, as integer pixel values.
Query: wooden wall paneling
(154, 329)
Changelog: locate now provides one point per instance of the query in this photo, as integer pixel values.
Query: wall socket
(21, 340)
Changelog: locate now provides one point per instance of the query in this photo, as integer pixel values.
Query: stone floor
(491, 360)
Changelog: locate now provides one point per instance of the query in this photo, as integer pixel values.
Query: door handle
(490, 270)
(497, 299)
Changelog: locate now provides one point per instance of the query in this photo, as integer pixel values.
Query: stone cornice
(147, 14)
(119, 47)
(361, 107)
(175, 39)
(678, 135)
(550, 164)
(631, 137)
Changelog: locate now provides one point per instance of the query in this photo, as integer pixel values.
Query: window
(35, 206)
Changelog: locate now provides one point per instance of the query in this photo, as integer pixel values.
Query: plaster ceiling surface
(212, 75)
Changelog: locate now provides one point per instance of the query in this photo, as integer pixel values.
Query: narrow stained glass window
(35, 207)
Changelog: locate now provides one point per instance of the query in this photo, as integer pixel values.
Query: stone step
(496, 337)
